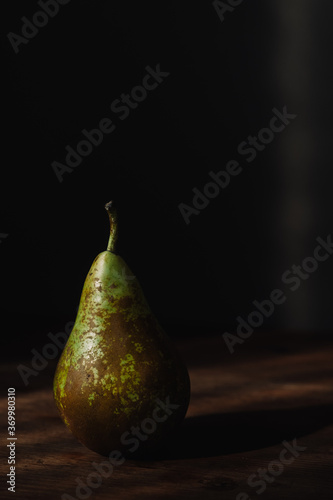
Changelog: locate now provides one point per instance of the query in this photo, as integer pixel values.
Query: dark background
(225, 79)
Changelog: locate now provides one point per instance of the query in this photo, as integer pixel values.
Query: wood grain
(243, 406)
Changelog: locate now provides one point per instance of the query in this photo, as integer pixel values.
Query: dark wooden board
(243, 406)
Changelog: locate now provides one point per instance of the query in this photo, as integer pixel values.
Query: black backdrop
(225, 77)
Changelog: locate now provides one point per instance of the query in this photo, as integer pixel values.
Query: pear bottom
(126, 396)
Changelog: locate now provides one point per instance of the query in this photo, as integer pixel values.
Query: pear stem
(113, 226)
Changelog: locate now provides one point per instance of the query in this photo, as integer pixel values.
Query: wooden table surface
(274, 388)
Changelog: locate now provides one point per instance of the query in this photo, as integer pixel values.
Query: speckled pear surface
(118, 364)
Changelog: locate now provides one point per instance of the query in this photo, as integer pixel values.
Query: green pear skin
(119, 371)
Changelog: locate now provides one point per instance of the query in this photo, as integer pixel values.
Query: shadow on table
(223, 434)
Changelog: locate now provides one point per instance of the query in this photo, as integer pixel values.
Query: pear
(119, 383)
